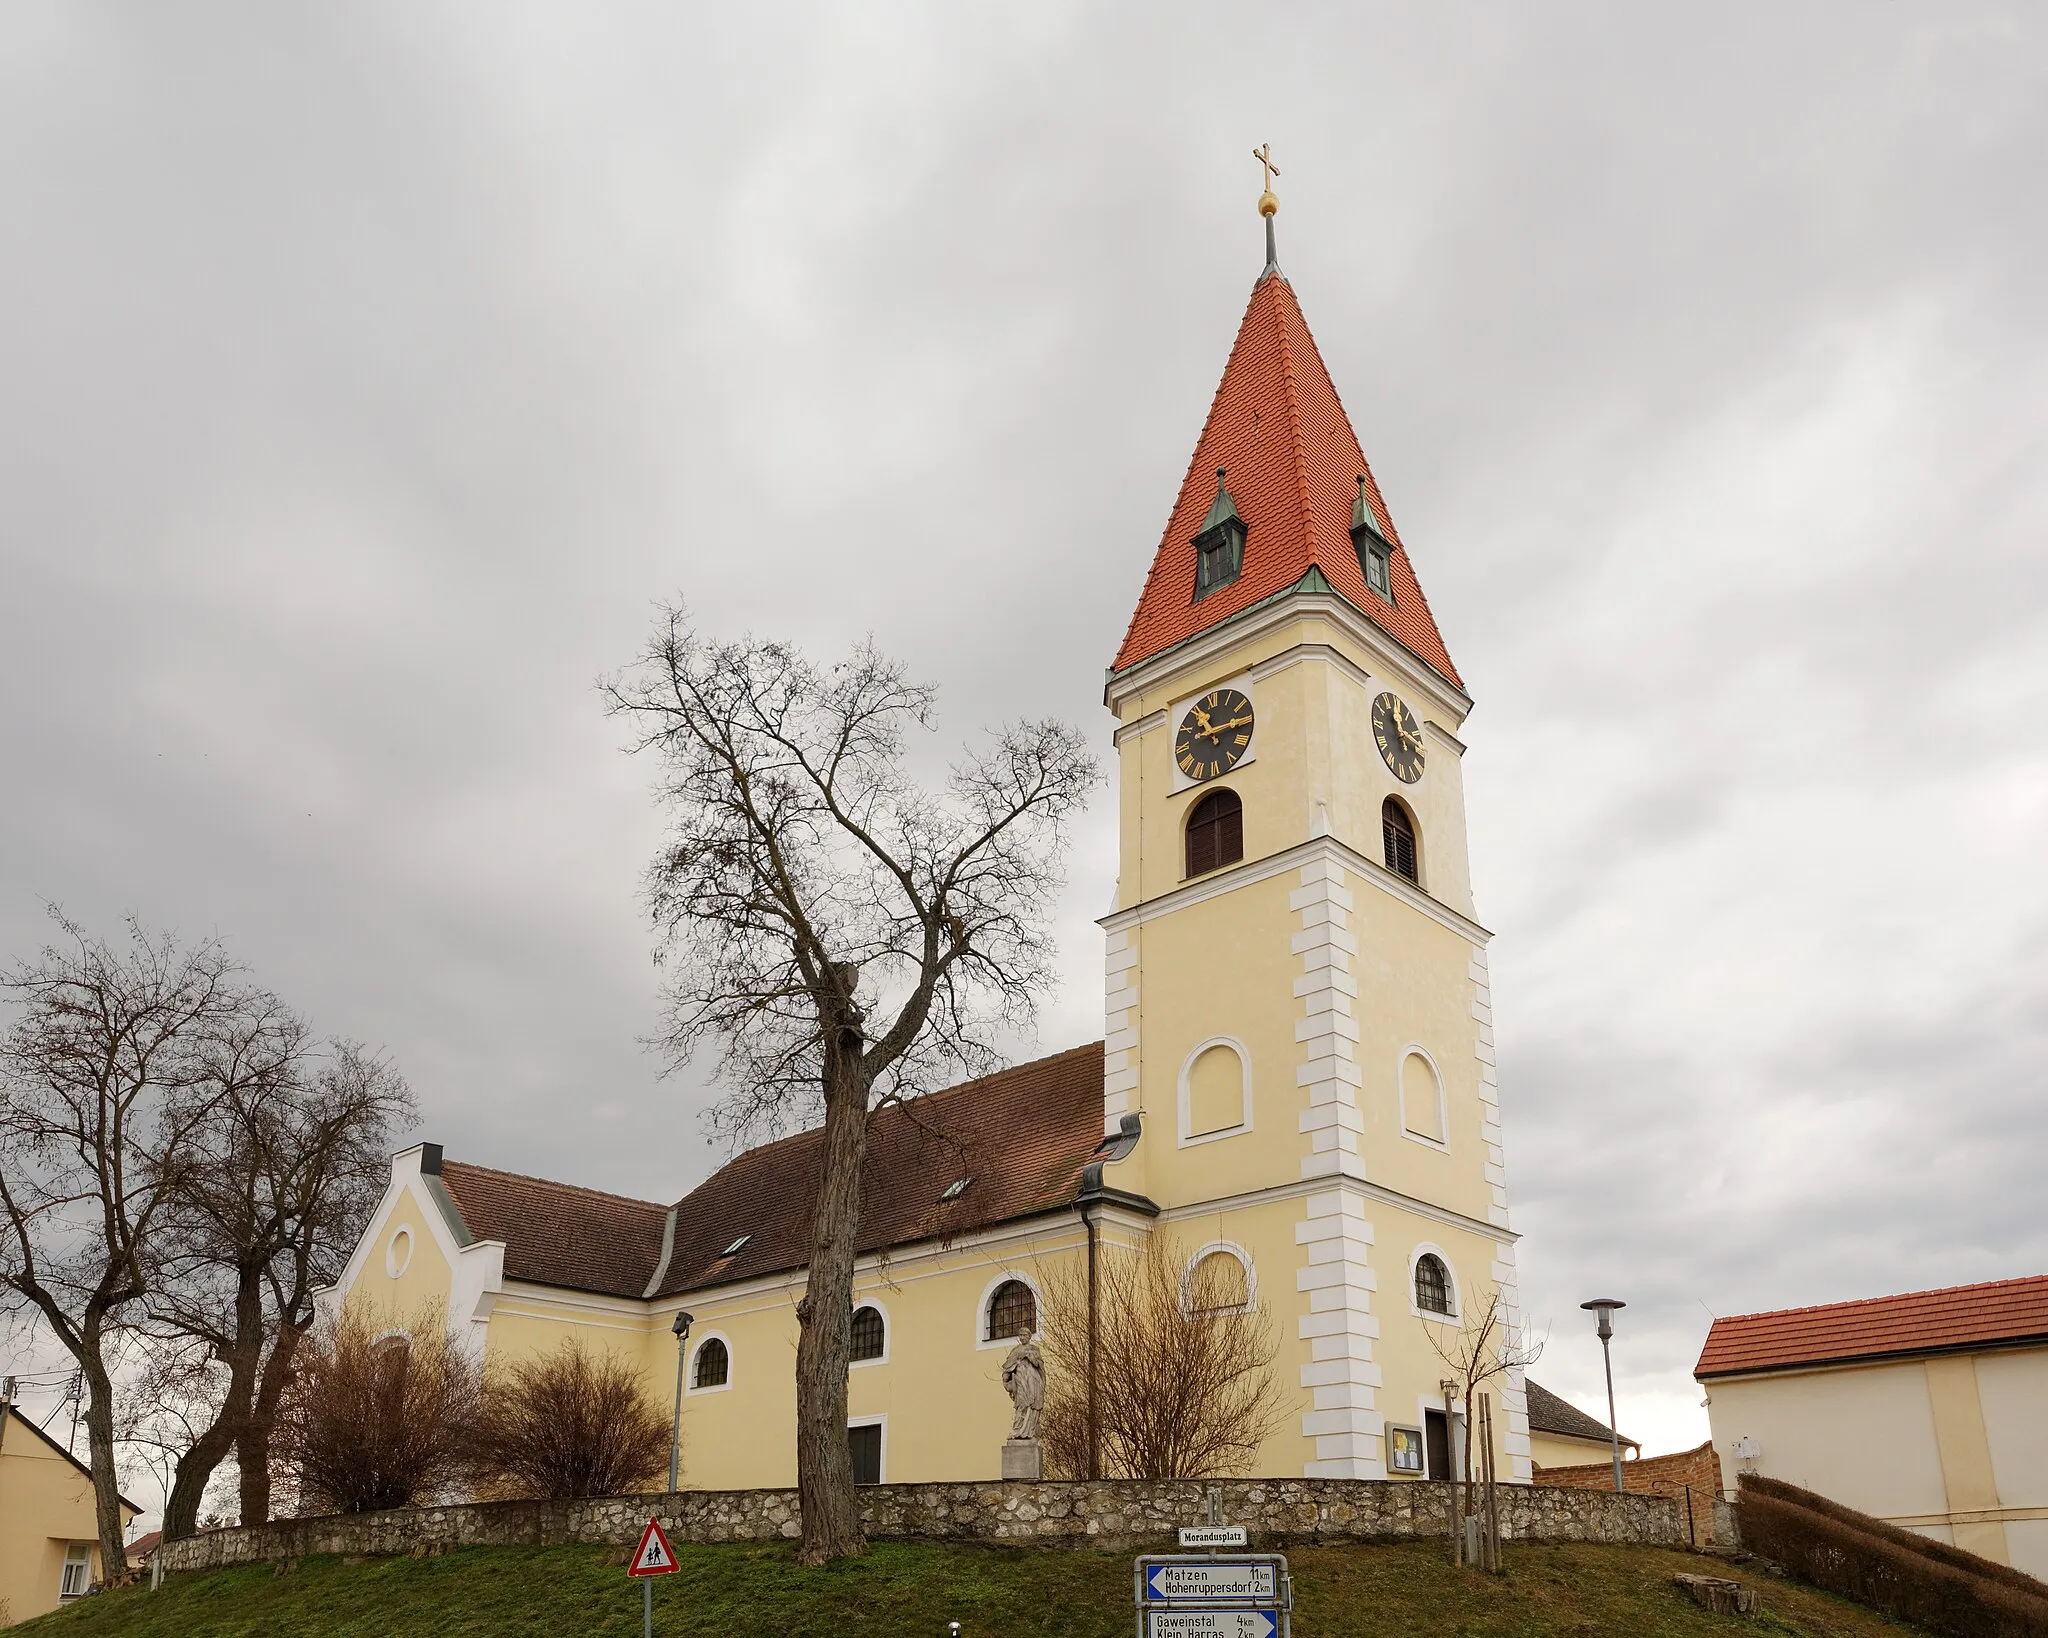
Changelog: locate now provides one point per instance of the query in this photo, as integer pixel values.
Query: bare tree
(839, 932)
(376, 1416)
(569, 1423)
(109, 1068)
(1184, 1366)
(1486, 1344)
(288, 1164)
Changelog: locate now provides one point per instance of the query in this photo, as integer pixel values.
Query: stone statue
(1024, 1382)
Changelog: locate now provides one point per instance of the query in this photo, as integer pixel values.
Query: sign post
(1238, 1595)
(651, 1558)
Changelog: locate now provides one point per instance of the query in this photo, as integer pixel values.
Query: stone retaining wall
(1110, 1513)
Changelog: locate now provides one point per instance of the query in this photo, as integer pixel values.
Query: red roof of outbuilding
(2001, 1313)
(1278, 429)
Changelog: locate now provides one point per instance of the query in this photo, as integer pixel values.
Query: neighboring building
(1928, 1410)
(49, 1533)
(1298, 1075)
(1562, 1435)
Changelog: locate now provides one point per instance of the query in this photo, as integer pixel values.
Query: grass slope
(910, 1591)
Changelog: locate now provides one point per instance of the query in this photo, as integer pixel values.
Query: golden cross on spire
(1269, 207)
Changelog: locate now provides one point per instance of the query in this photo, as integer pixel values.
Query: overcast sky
(368, 373)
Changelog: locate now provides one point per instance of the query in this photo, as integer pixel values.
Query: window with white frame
(1433, 1285)
(713, 1365)
(77, 1570)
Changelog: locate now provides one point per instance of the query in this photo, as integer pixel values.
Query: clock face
(1399, 737)
(1214, 735)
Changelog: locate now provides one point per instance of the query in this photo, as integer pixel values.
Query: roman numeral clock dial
(1214, 735)
(1399, 738)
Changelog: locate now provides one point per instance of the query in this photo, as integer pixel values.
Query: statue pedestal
(1020, 1459)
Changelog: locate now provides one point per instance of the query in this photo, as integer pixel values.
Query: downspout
(1094, 1415)
(1094, 1193)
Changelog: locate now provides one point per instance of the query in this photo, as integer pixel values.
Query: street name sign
(1180, 1623)
(653, 1556)
(1213, 1535)
(1212, 1581)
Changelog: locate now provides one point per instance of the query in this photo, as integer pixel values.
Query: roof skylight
(729, 1250)
(956, 1189)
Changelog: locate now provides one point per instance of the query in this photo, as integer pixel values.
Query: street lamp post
(1605, 1307)
(675, 1438)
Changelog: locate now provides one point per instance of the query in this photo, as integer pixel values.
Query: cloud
(369, 375)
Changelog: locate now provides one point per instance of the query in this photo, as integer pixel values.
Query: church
(1296, 1073)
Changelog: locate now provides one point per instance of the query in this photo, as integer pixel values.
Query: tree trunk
(252, 1443)
(824, 1466)
(196, 1466)
(99, 1438)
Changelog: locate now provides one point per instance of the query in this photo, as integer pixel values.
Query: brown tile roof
(556, 1234)
(1022, 1135)
(1550, 1414)
(1278, 428)
(1998, 1314)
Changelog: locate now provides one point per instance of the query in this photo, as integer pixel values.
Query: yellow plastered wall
(1325, 972)
(46, 1504)
(405, 1240)
(1556, 1450)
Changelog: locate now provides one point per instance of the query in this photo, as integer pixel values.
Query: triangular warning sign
(653, 1556)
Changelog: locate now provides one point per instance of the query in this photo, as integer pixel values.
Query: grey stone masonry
(1116, 1513)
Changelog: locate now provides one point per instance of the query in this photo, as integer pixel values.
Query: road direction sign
(1212, 1581)
(653, 1556)
(1213, 1535)
(1178, 1623)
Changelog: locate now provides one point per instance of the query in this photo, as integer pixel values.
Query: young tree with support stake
(843, 934)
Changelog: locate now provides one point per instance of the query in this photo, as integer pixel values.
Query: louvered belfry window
(1215, 832)
(869, 1335)
(1397, 830)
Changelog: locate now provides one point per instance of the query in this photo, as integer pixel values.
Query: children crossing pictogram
(653, 1556)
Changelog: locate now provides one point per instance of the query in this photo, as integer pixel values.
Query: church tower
(1298, 1004)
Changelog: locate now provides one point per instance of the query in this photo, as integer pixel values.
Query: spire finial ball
(1268, 205)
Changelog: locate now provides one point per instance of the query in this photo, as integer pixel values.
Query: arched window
(1218, 1284)
(1215, 832)
(1012, 1311)
(1397, 830)
(1432, 1284)
(870, 1336)
(714, 1365)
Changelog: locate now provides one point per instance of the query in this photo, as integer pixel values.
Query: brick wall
(1106, 1513)
(1697, 1471)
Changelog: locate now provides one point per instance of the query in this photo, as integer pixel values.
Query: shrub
(1185, 1386)
(1903, 1575)
(569, 1424)
(379, 1417)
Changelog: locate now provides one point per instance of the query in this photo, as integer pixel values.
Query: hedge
(1906, 1576)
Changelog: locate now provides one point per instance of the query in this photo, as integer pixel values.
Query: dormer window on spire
(1375, 554)
(1219, 545)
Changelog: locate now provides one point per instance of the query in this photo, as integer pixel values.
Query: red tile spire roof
(2003, 1313)
(1278, 429)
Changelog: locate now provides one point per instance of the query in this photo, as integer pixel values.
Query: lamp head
(1604, 1307)
(682, 1324)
